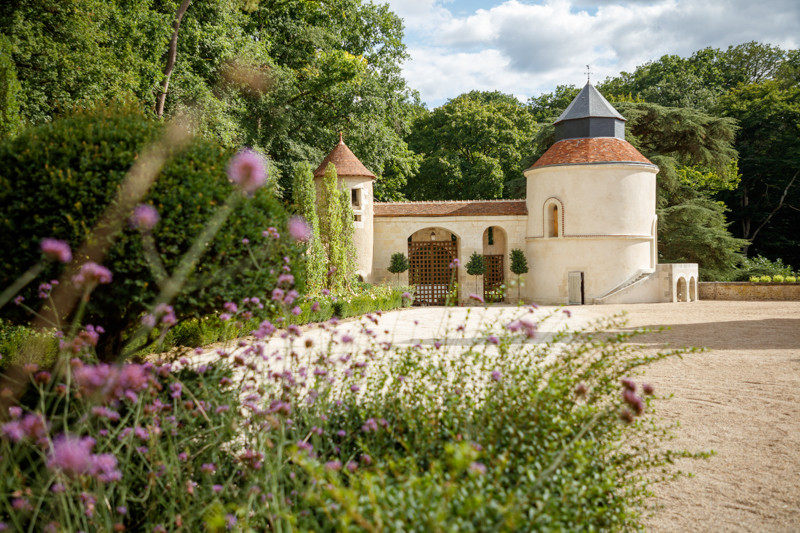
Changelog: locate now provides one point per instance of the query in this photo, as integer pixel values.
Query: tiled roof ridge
(591, 150)
(452, 201)
(345, 161)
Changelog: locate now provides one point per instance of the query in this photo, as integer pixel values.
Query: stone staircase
(636, 278)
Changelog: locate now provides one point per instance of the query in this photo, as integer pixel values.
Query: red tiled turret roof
(450, 209)
(346, 163)
(591, 150)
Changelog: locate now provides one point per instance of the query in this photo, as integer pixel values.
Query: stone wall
(713, 290)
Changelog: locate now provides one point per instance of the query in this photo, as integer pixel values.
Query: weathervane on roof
(588, 74)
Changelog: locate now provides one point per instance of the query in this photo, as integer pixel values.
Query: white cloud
(525, 48)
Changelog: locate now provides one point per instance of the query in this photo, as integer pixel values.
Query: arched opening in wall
(430, 253)
(692, 289)
(681, 290)
(494, 254)
(553, 218)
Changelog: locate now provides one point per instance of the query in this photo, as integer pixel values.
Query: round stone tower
(354, 177)
(591, 202)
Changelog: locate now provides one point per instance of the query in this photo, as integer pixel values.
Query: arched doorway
(494, 254)
(430, 253)
(681, 291)
(692, 289)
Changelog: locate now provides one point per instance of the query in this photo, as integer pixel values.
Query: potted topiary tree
(398, 264)
(519, 266)
(476, 267)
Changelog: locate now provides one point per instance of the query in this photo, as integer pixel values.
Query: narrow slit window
(355, 197)
(552, 220)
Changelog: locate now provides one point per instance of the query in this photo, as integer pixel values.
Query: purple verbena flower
(92, 274)
(248, 170)
(71, 455)
(144, 217)
(56, 250)
(299, 229)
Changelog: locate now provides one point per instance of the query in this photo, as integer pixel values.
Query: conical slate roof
(589, 103)
(345, 161)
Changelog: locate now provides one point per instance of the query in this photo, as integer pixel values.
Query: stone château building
(588, 224)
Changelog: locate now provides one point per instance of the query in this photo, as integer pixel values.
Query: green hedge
(57, 179)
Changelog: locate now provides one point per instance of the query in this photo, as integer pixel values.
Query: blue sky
(527, 47)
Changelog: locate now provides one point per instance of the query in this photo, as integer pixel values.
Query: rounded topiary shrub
(57, 179)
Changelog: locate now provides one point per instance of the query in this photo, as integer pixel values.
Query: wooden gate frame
(493, 278)
(429, 271)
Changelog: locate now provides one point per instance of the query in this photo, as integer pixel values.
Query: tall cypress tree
(305, 199)
(330, 229)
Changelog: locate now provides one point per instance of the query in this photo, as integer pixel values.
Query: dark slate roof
(450, 209)
(345, 161)
(589, 103)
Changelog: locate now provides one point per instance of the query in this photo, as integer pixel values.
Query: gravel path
(740, 398)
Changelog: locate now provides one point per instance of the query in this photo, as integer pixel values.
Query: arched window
(553, 218)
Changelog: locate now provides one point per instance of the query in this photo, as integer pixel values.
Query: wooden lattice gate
(494, 278)
(429, 270)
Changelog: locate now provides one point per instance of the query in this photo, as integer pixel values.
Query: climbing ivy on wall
(336, 232)
(305, 199)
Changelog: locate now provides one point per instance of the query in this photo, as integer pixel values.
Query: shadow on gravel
(765, 334)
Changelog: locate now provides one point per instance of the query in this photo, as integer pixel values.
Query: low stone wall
(716, 290)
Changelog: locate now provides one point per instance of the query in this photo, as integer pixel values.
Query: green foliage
(696, 232)
(305, 200)
(371, 298)
(519, 263)
(14, 339)
(755, 267)
(280, 76)
(767, 201)
(59, 178)
(472, 147)
(777, 278)
(476, 266)
(331, 228)
(347, 236)
(9, 91)
(791, 279)
(398, 264)
(765, 279)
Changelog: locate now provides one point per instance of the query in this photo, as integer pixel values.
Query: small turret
(354, 176)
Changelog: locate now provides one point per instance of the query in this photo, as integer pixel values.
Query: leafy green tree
(766, 204)
(476, 266)
(519, 265)
(305, 200)
(696, 231)
(471, 146)
(398, 264)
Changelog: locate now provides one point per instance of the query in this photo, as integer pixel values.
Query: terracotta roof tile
(591, 150)
(451, 209)
(346, 163)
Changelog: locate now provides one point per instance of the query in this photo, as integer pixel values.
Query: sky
(527, 47)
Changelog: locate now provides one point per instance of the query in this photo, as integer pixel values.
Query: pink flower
(92, 274)
(647, 389)
(56, 250)
(476, 297)
(248, 170)
(299, 229)
(71, 455)
(144, 217)
(496, 375)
